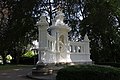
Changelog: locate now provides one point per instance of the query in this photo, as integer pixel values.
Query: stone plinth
(40, 69)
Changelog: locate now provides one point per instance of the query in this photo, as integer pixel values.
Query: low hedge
(113, 64)
(88, 72)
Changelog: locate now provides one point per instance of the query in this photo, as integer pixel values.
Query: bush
(88, 72)
(29, 54)
(28, 60)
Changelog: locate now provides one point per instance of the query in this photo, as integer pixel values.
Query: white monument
(56, 48)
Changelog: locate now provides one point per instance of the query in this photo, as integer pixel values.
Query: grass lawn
(11, 67)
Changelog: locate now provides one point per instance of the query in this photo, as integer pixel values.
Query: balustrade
(77, 47)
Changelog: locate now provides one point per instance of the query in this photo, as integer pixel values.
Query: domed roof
(59, 23)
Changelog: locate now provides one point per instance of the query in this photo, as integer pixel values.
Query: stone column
(41, 68)
(57, 42)
(57, 48)
(39, 51)
(42, 27)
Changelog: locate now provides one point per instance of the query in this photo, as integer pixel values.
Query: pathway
(15, 74)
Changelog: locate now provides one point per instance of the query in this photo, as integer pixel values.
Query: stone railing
(76, 47)
(51, 42)
(79, 52)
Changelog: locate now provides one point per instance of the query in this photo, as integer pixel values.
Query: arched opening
(61, 43)
(61, 38)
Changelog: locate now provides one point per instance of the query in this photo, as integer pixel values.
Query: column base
(41, 69)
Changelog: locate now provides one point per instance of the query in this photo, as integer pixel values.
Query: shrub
(28, 60)
(88, 72)
(29, 54)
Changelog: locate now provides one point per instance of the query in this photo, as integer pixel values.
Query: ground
(15, 73)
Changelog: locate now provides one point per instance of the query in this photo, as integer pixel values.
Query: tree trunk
(50, 12)
(4, 58)
(17, 58)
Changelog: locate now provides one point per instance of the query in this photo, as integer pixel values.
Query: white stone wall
(79, 52)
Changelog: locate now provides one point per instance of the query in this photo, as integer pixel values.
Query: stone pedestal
(41, 69)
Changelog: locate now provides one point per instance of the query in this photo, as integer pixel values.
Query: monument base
(41, 69)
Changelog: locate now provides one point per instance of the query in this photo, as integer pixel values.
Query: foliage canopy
(99, 19)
